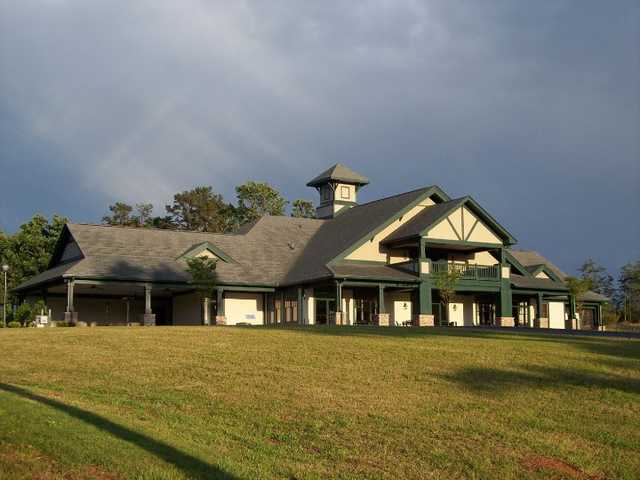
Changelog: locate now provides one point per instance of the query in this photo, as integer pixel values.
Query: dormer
(338, 188)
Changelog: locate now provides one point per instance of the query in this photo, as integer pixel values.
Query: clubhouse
(375, 263)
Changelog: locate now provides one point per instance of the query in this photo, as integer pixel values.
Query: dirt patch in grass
(559, 468)
(25, 462)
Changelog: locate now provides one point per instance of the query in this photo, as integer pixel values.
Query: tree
(200, 210)
(28, 252)
(601, 281)
(577, 289)
(445, 281)
(629, 292)
(258, 199)
(143, 216)
(120, 215)
(303, 209)
(203, 274)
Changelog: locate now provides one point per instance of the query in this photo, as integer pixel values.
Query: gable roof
(198, 248)
(338, 173)
(350, 228)
(431, 216)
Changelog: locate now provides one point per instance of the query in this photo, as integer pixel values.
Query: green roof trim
(429, 192)
(201, 247)
(536, 269)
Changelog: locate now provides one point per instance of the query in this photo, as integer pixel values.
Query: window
(545, 310)
(344, 193)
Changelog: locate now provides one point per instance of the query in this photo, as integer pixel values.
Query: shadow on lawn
(625, 348)
(495, 380)
(188, 464)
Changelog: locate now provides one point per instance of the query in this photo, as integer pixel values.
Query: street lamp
(5, 269)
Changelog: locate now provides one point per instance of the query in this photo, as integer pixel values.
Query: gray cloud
(534, 109)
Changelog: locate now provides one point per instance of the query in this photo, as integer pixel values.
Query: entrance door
(325, 310)
(486, 313)
(366, 309)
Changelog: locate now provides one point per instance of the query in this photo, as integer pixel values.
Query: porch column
(504, 318)
(300, 309)
(424, 315)
(540, 321)
(572, 321)
(70, 315)
(220, 316)
(206, 311)
(149, 318)
(600, 321)
(339, 316)
(382, 318)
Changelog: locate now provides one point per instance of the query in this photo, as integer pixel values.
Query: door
(325, 310)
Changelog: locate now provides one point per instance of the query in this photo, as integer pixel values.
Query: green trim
(362, 262)
(544, 268)
(436, 241)
(513, 261)
(195, 250)
(425, 298)
(505, 307)
(429, 192)
(342, 202)
(381, 303)
(220, 302)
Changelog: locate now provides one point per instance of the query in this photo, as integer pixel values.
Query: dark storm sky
(533, 108)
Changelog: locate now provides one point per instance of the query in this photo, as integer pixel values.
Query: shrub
(24, 314)
(14, 324)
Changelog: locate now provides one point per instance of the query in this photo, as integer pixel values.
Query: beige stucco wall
(442, 231)
(481, 232)
(399, 307)
(241, 307)
(351, 192)
(542, 275)
(556, 315)
(484, 258)
(371, 248)
(397, 256)
(187, 309)
(462, 311)
(506, 271)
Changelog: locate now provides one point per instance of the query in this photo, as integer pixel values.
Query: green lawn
(216, 402)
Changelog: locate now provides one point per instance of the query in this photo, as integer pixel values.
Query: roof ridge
(393, 196)
(158, 229)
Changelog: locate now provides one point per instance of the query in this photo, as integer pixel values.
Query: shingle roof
(263, 255)
(338, 234)
(424, 219)
(339, 173)
(372, 272)
(531, 260)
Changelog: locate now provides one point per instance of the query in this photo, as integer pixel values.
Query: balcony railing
(468, 272)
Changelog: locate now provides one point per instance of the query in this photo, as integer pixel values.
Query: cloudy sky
(533, 108)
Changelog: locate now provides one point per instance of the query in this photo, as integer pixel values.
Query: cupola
(338, 188)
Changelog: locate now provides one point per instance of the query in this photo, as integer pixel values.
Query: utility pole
(5, 269)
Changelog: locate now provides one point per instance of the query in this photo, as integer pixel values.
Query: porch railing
(468, 272)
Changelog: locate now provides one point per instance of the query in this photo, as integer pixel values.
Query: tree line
(28, 251)
(201, 209)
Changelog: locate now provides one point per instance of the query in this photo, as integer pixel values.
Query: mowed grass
(224, 402)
